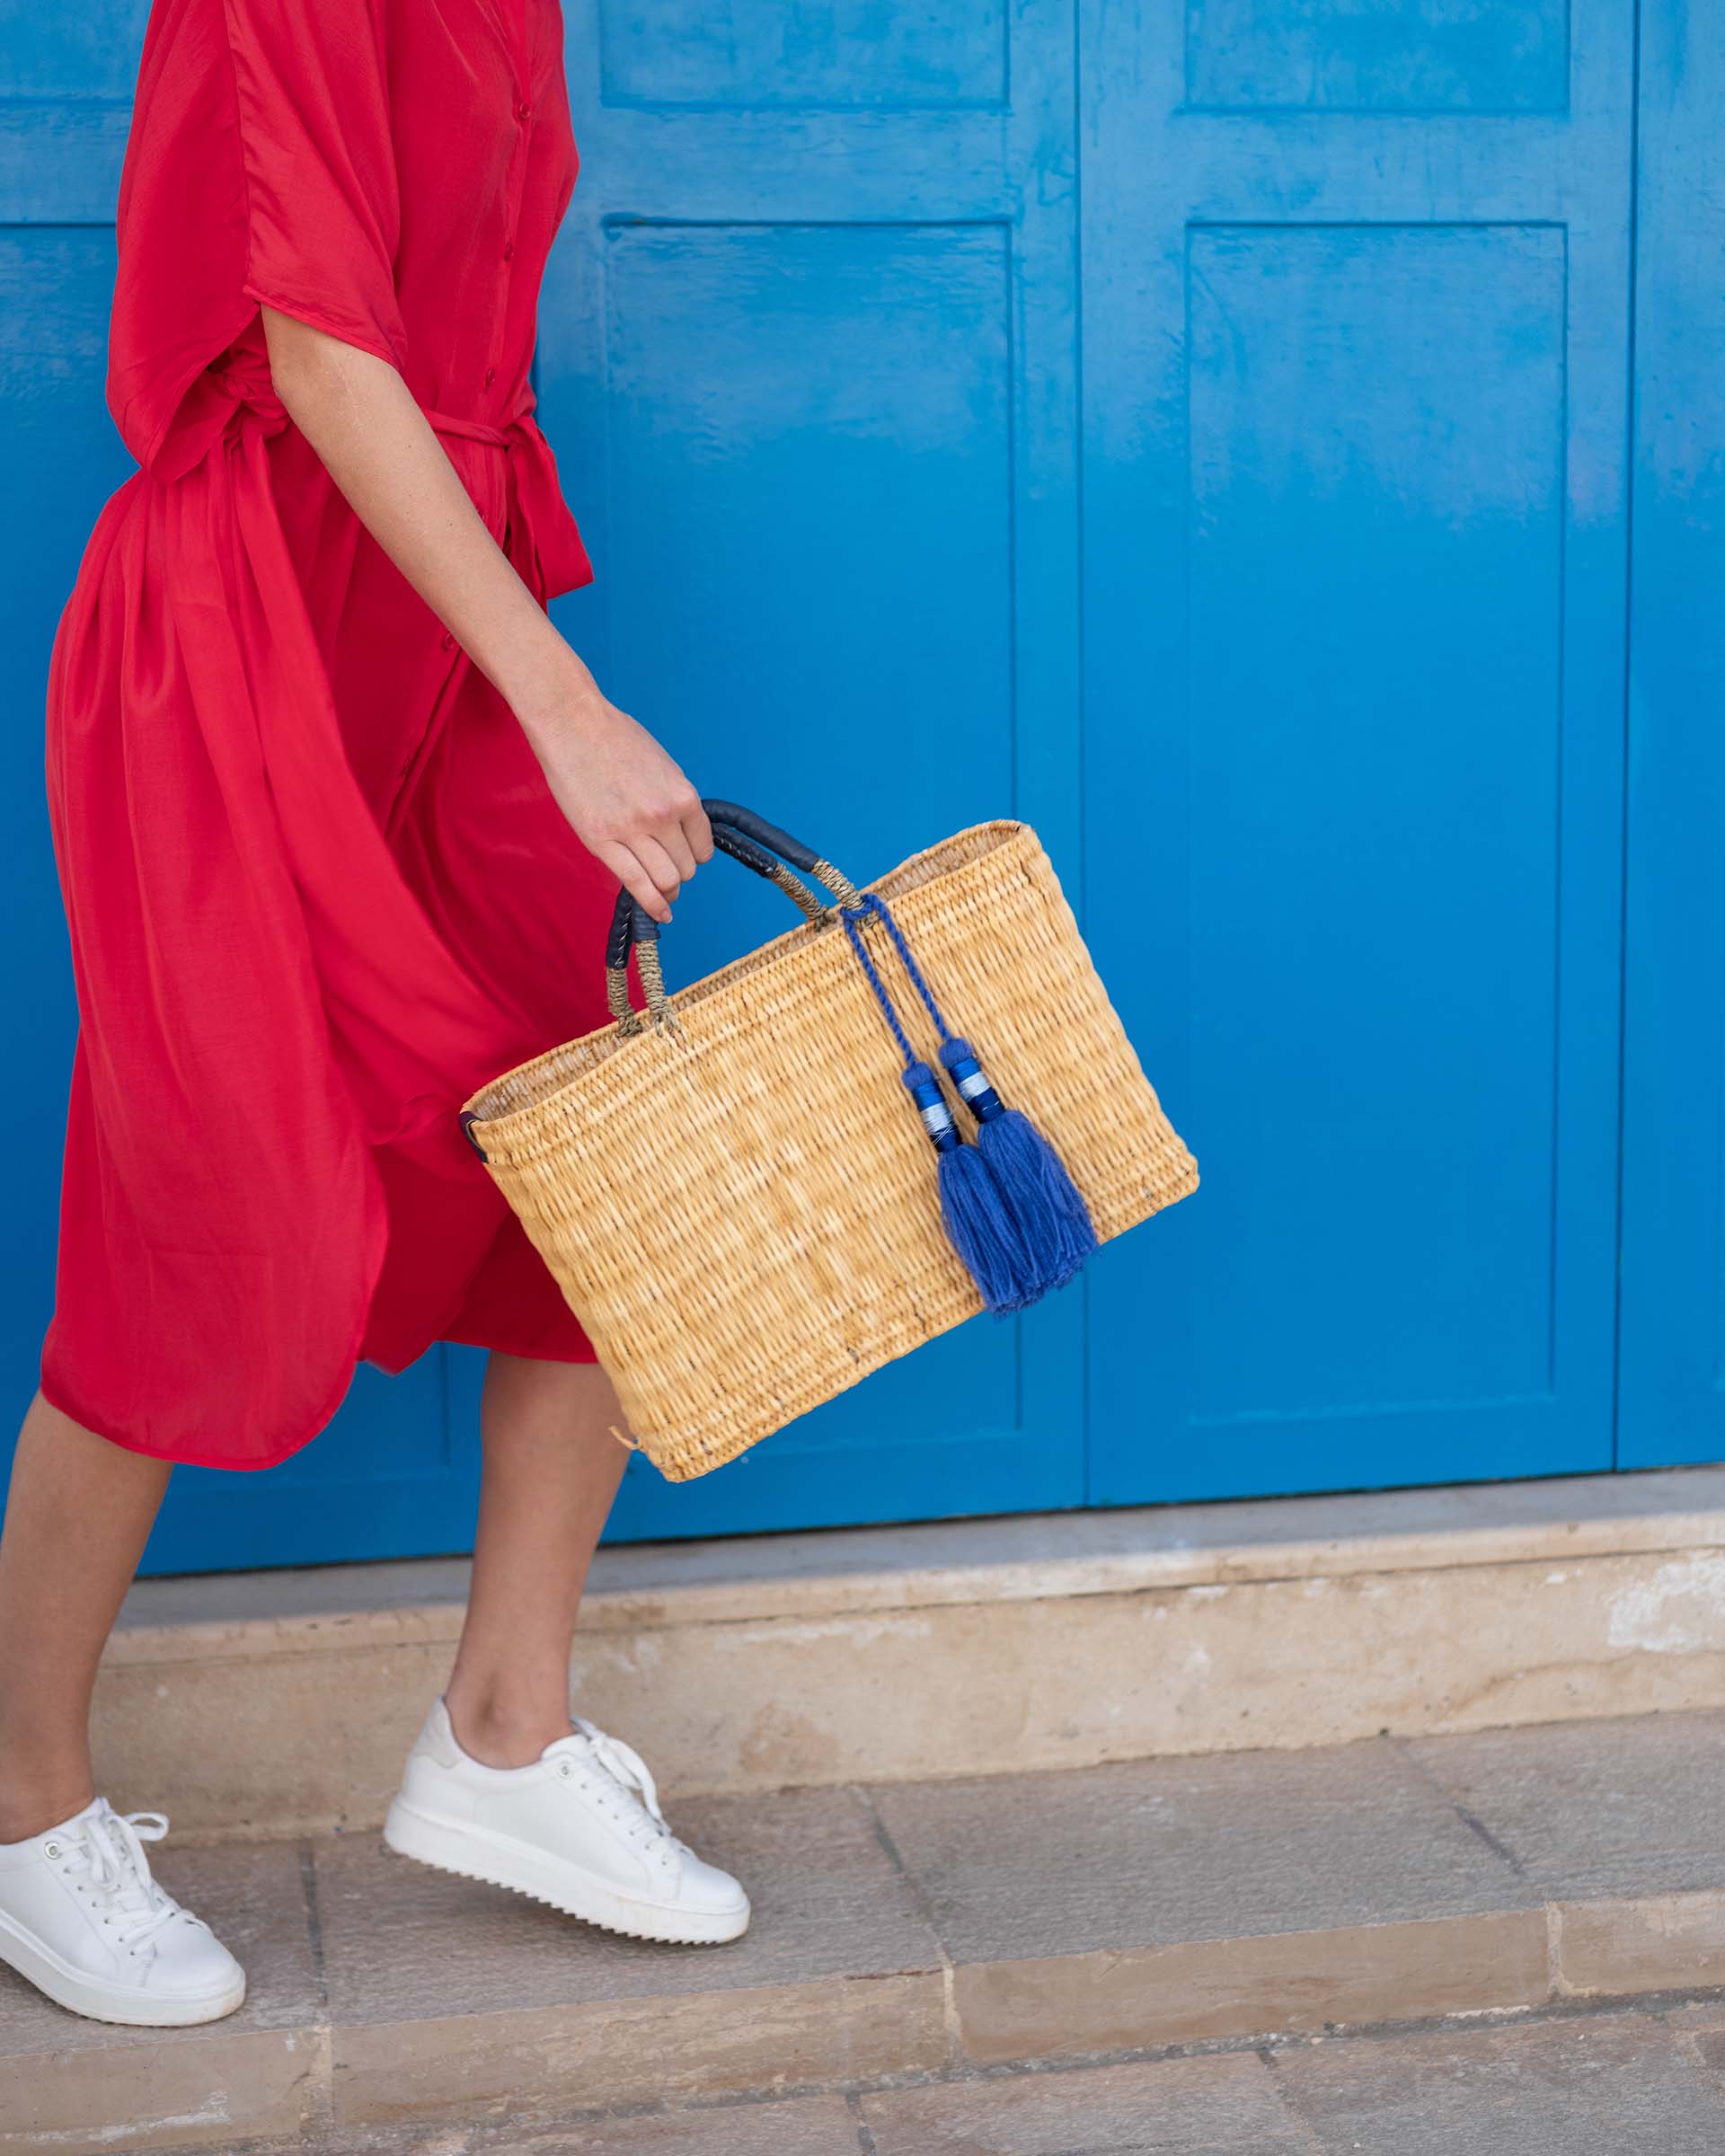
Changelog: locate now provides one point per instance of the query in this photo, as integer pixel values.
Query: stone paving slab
(444, 1989)
(1631, 1806)
(1593, 2086)
(1150, 1852)
(1167, 1902)
(1203, 2107)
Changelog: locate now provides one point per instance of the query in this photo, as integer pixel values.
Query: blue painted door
(1674, 1052)
(1293, 613)
(1356, 333)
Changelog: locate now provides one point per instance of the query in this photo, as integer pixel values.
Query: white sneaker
(81, 1918)
(580, 1828)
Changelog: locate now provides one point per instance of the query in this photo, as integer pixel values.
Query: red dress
(317, 887)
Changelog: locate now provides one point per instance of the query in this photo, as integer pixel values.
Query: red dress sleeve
(260, 168)
(322, 214)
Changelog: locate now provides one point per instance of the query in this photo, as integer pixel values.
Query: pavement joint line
(1285, 2099)
(925, 1908)
(314, 1919)
(1468, 1818)
(1554, 1950)
(1688, 2041)
(318, 2109)
(865, 2140)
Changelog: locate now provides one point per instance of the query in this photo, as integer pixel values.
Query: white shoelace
(116, 1874)
(626, 1767)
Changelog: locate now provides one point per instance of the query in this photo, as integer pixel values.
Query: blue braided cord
(853, 929)
(873, 903)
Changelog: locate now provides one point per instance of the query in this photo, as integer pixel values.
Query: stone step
(1641, 2080)
(925, 1929)
(283, 1701)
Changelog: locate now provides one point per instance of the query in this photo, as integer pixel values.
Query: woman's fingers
(698, 833)
(654, 857)
(674, 841)
(633, 875)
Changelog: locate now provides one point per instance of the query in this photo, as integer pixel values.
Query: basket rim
(779, 949)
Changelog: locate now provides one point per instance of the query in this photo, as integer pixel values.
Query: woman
(340, 818)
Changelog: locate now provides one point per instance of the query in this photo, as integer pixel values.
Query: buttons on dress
(523, 113)
(508, 250)
(491, 377)
(448, 640)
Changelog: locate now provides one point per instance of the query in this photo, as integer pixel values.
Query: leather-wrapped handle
(746, 837)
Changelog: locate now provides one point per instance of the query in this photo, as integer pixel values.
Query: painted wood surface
(1673, 1406)
(1355, 487)
(1211, 433)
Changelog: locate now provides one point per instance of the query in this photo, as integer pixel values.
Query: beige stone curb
(1293, 1983)
(281, 1703)
(209, 2089)
(1043, 1557)
(1669, 1942)
(189, 2088)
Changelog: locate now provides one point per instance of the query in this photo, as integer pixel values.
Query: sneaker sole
(473, 1852)
(99, 2002)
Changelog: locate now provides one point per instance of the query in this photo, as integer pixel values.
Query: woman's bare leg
(551, 1470)
(78, 1513)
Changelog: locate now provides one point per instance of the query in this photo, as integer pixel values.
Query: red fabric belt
(541, 539)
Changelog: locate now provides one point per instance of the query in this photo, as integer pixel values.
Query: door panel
(55, 281)
(1674, 1054)
(1354, 549)
(808, 354)
(1341, 452)
(1421, 56)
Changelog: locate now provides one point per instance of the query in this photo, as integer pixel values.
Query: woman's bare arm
(625, 799)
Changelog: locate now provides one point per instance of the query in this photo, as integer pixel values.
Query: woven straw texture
(744, 1213)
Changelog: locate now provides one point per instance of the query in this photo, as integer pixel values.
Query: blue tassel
(980, 1225)
(1053, 1221)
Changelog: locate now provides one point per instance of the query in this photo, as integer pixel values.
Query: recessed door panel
(1355, 539)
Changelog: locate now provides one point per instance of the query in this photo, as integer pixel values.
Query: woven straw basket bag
(918, 1105)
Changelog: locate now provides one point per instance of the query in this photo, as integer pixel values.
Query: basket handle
(746, 837)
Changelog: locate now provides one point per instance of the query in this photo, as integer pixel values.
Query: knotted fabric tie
(542, 539)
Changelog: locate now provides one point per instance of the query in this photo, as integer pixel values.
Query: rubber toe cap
(706, 1891)
(191, 1963)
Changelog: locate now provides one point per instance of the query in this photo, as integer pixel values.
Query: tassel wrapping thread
(979, 1224)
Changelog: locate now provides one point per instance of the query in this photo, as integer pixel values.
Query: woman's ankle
(505, 1728)
(30, 1804)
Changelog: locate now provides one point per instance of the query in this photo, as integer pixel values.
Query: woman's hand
(624, 798)
(626, 801)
